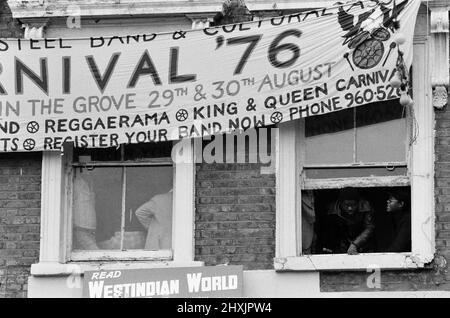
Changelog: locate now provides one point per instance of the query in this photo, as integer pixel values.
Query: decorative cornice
(200, 21)
(439, 29)
(439, 20)
(34, 28)
(88, 8)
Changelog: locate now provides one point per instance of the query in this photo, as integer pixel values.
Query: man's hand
(352, 249)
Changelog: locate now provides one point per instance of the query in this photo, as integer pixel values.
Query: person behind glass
(397, 207)
(156, 216)
(349, 224)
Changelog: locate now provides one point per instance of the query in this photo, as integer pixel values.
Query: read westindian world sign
(209, 281)
(107, 91)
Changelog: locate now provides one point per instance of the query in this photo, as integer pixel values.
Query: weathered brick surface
(235, 215)
(20, 199)
(235, 203)
(436, 276)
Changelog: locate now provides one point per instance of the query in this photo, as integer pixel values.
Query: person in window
(156, 216)
(308, 221)
(349, 224)
(397, 207)
(84, 217)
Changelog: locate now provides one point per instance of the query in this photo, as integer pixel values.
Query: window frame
(105, 255)
(420, 161)
(53, 258)
(335, 183)
(56, 220)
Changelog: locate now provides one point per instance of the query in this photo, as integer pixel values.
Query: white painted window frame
(56, 222)
(421, 167)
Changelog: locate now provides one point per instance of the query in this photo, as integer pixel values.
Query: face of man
(349, 206)
(393, 204)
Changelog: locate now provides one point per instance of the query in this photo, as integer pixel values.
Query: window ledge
(352, 262)
(130, 255)
(77, 268)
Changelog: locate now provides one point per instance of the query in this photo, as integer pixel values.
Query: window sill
(130, 255)
(352, 262)
(77, 268)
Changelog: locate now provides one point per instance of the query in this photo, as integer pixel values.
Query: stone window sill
(77, 268)
(352, 262)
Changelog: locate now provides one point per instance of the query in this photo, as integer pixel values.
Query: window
(366, 141)
(60, 171)
(318, 178)
(122, 199)
(364, 148)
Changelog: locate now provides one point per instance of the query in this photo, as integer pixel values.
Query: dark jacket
(343, 229)
(402, 232)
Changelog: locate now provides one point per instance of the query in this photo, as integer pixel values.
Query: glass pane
(329, 138)
(335, 148)
(381, 133)
(149, 208)
(97, 197)
(148, 150)
(131, 152)
(95, 154)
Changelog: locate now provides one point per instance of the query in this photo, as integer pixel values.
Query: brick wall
(20, 177)
(235, 203)
(20, 199)
(235, 215)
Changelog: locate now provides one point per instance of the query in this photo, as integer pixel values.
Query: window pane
(148, 150)
(97, 208)
(381, 133)
(97, 195)
(96, 154)
(130, 152)
(149, 206)
(334, 148)
(329, 138)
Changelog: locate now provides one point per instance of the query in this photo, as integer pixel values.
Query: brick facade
(235, 215)
(20, 200)
(235, 203)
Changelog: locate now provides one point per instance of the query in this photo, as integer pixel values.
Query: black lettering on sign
(144, 67)
(252, 41)
(275, 49)
(3, 46)
(66, 74)
(21, 69)
(102, 81)
(94, 44)
(9, 127)
(173, 69)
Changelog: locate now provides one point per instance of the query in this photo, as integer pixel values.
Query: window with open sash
(364, 148)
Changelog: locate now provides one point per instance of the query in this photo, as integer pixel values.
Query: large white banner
(105, 91)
